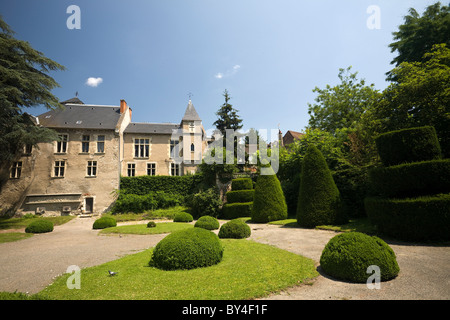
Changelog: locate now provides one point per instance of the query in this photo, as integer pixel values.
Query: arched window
(192, 147)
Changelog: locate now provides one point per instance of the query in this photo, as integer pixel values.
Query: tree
(24, 83)
(269, 203)
(319, 199)
(227, 116)
(340, 107)
(419, 97)
(419, 33)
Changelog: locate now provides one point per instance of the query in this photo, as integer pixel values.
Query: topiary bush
(207, 222)
(183, 217)
(241, 184)
(206, 203)
(104, 222)
(408, 145)
(187, 249)
(240, 196)
(237, 210)
(236, 229)
(348, 255)
(319, 201)
(269, 203)
(151, 224)
(39, 226)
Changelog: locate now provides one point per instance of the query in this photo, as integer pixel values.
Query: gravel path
(31, 264)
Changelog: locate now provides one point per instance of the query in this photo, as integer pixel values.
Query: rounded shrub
(236, 229)
(240, 196)
(408, 145)
(319, 200)
(269, 203)
(39, 226)
(207, 222)
(183, 217)
(151, 224)
(241, 184)
(104, 222)
(348, 255)
(187, 249)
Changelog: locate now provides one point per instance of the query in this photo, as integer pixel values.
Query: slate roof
(191, 114)
(154, 128)
(74, 100)
(81, 116)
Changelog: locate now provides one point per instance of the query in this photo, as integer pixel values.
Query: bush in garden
(206, 203)
(236, 229)
(241, 184)
(319, 201)
(151, 224)
(183, 217)
(269, 203)
(348, 255)
(187, 249)
(104, 222)
(240, 196)
(237, 210)
(39, 226)
(207, 222)
(408, 145)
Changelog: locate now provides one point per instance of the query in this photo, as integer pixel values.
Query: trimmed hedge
(235, 229)
(319, 201)
(206, 203)
(241, 184)
(408, 145)
(142, 185)
(348, 255)
(237, 210)
(411, 179)
(240, 196)
(269, 203)
(104, 222)
(423, 218)
(39, 226)
(139, 203)
(187, 249)
(207, 222)
(183, 217)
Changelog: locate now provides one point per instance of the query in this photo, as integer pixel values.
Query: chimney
(123, 106)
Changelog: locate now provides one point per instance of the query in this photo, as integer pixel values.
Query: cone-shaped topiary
(319, 199)
(348, 256)
(269, 203)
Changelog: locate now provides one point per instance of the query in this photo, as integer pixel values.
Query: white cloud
(93, 82)
(228, 73)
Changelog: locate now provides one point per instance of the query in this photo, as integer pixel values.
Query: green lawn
(161, 227)
(13, 236)
(18, 223)
(168, 213)
(248, 270)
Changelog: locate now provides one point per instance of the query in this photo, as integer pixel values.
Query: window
(131, 169)
(141, 148)
(92, 169)
(85, 143)
(151, 169)
(174, 169)
(28, 148)
(59, 168)
(16, 170)
(100, 144)
(61, 145)
(173, 144)
(192, 147)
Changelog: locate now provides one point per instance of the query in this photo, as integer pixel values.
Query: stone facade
(80, 173)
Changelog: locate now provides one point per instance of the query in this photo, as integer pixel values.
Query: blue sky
(268, 54)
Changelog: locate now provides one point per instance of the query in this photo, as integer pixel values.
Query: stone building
(79, 173)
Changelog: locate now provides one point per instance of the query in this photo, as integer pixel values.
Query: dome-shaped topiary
(187, 249)
(39, 226)
(348, 255)
(236, 229)
(183, 217)
(319, 201)
(207, 222)
(151, 224)
(104, 222)
(269, 203)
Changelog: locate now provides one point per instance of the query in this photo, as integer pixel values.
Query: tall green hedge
(269, 203)
(241, 184)
(319, 199)
(141, 185)
(408, 145)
